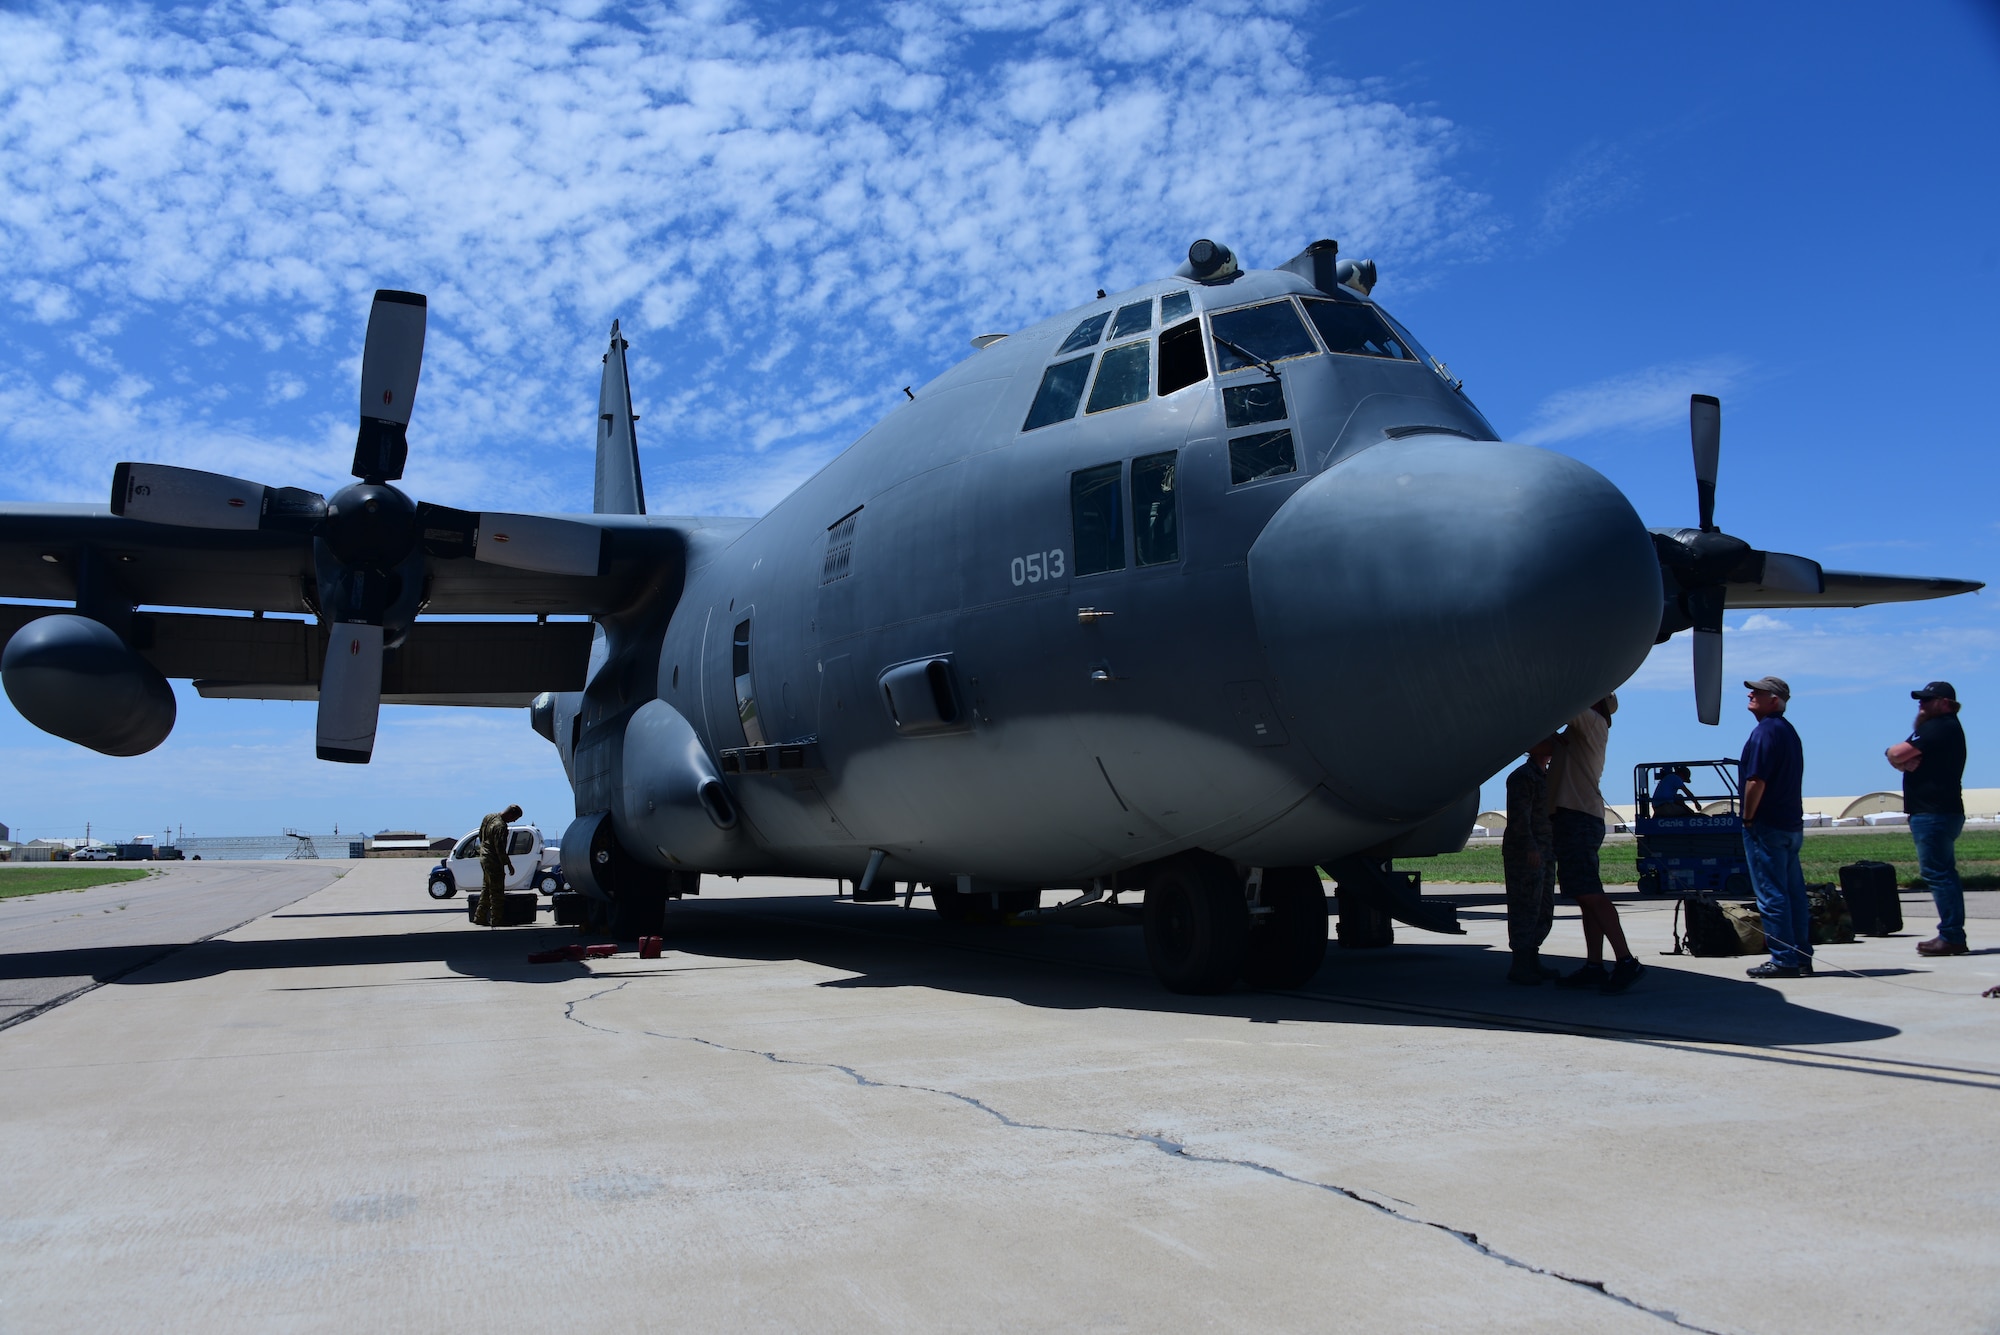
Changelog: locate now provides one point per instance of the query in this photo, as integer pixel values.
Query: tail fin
(619, 489)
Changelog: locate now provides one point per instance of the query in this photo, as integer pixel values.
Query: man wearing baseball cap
(1773, 773)
(1932, 759)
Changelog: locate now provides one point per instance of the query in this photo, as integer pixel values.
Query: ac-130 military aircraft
(1191, 590)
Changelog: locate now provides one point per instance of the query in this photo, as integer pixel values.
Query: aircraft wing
(54, 552)
(1847, 588)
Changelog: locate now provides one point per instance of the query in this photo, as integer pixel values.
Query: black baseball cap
(1937, 690)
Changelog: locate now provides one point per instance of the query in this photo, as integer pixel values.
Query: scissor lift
(1699, 846)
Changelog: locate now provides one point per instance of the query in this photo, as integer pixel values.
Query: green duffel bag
(1832, 924)
(1718, 927)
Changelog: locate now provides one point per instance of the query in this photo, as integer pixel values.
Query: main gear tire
(1196, 923)
(1288, 944)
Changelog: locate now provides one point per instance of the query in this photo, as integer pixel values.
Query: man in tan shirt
(1577, 824)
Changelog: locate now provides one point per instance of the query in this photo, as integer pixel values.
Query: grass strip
(18, 881)
(1822, 858)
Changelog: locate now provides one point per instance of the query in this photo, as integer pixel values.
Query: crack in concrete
(1172, 1148)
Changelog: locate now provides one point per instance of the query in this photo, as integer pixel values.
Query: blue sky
(1588, 213)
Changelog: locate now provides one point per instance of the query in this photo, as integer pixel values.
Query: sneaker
(1771, 970)
(1937, 945)
(1590, 975)
(1623, 974)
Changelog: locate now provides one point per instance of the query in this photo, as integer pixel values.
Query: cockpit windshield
(1270, 333)
(1355, 330)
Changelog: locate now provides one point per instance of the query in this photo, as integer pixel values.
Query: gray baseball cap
(1775, 685)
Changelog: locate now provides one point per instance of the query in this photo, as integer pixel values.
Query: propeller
(371, 542)
(1699, 564)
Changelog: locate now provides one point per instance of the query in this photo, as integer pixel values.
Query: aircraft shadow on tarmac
(1423, 980)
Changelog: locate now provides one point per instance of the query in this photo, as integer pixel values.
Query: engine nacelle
(74, 677)
(673, 810)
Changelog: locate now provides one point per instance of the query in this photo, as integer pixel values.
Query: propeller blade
(539, 542)
(350, 693)
(190, 498)
(1704, 607)
(391, 360)
(1708, 676)
(1705, 428)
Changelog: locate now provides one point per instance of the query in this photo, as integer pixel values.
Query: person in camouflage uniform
(1527, 851)
(494, 865)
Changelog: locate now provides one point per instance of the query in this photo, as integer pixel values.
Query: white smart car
(535, 866)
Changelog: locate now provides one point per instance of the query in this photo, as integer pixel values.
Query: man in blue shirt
(1932, 760)
(1773, 773)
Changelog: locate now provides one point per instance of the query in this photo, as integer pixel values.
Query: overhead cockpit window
(1095, 523)
(1156, 535)
(1356, 331)
(1271, 332)
(1266, 454)
(1085, 334)
(1062, 389)
(1121, 377)
(1247, 405)
(1182, 361)
(1175, 306)
(1134, 319)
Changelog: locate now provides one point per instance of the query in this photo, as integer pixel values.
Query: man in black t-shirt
(1932, 760)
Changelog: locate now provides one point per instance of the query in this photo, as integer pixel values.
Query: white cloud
(1639, 400)
(218, 190)
(1597, 177)
(1837, 652)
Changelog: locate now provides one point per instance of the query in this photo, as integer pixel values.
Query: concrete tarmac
(361, 1111)
(55, 946)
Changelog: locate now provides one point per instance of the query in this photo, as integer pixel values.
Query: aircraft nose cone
(1432, 606)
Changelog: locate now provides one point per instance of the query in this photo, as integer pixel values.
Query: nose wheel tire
(1288, 944)
(1197, 925)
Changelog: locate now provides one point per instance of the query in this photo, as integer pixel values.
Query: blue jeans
(1780, 884)
(1937, 859)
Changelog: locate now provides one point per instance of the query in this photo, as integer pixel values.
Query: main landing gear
(1206, 927)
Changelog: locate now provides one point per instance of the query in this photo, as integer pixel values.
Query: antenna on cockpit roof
(619, 489)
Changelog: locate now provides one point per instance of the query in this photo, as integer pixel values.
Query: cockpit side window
(1061, 391)
(520, 841)
(1156, 534)
(1271, 332)
(1085, 334)
(1354, 330)
(1182, 361)
(1134, 319)
(1121, 376)
(1096, 519)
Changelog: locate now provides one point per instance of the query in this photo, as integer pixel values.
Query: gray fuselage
(1279, 666)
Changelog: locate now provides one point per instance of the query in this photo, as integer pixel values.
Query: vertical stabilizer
(619, 490)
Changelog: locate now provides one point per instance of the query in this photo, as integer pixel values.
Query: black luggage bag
(517, 909)
(1872, 898)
